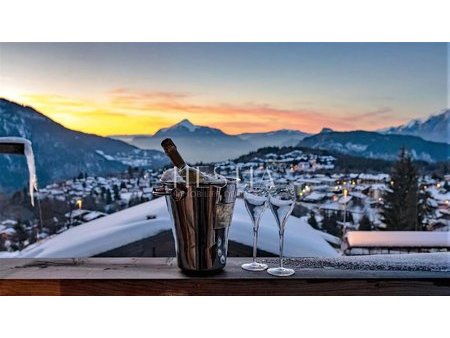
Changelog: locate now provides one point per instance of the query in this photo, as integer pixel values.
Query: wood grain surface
(160, 276)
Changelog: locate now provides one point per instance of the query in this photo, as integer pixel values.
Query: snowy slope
(301, 240)
(131, 225)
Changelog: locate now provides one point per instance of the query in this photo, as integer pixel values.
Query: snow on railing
(28, 153)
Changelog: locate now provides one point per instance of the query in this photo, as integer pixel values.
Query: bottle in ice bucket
(189, 174)
(201, 207)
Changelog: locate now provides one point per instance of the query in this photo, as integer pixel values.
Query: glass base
(254, 266)
(281, 272)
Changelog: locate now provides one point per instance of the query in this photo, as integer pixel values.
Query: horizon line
(436, 113)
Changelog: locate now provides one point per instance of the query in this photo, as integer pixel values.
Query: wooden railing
(160, 276)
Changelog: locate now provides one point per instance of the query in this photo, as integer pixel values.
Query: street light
(345, 206)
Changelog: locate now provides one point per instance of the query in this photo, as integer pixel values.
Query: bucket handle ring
(177, 193)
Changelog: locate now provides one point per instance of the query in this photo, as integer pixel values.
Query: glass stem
(281, 247)
(255, 241)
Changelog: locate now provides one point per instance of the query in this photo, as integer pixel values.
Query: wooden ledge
(160, 276)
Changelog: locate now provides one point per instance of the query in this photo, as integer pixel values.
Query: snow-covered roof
(358, 194)
(309, 181)
(9, 222)
(93, 215)
(321, 187)
(345, 199)
(76, 213)
(103, 234)
(398, 239)
(379, 186)
(331, 206)
(130, 225)
(326, 179)
(314, 196)
(437, 195)
(8, 231)
(377, 177)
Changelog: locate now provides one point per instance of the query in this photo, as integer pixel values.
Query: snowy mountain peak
(182, 126)
(187, 124)
(435, 128)
(412, 123)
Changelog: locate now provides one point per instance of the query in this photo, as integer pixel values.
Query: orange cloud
(232, 118)
(125, 111)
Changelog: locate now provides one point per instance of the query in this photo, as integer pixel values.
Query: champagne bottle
(190, 175)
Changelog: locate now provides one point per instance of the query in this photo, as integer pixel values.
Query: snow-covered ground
(437, 261)
(131, 225)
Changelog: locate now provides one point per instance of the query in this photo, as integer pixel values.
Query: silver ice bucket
(201, 215)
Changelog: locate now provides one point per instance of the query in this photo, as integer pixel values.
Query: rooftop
(398, 239)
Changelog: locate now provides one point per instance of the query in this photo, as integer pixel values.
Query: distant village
(75, 201)
(333, 202)
(349, 197)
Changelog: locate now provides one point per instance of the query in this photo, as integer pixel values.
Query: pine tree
(116, 192)
(330, 224)
(446, 186)
(401, 202)
(108, 197)
(21, 234)
(2, 244)
(424, 210)
(349, 217)
(365, 224)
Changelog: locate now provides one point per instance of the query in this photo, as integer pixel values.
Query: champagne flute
(281, 202)
(255, 199)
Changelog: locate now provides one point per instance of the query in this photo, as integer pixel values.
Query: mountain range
(375, 145)
(63, 153)
(435, 128)
(200, 143)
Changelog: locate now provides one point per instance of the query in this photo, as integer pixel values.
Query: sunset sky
(138, 88)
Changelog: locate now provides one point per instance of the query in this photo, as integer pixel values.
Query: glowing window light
(79, 204)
